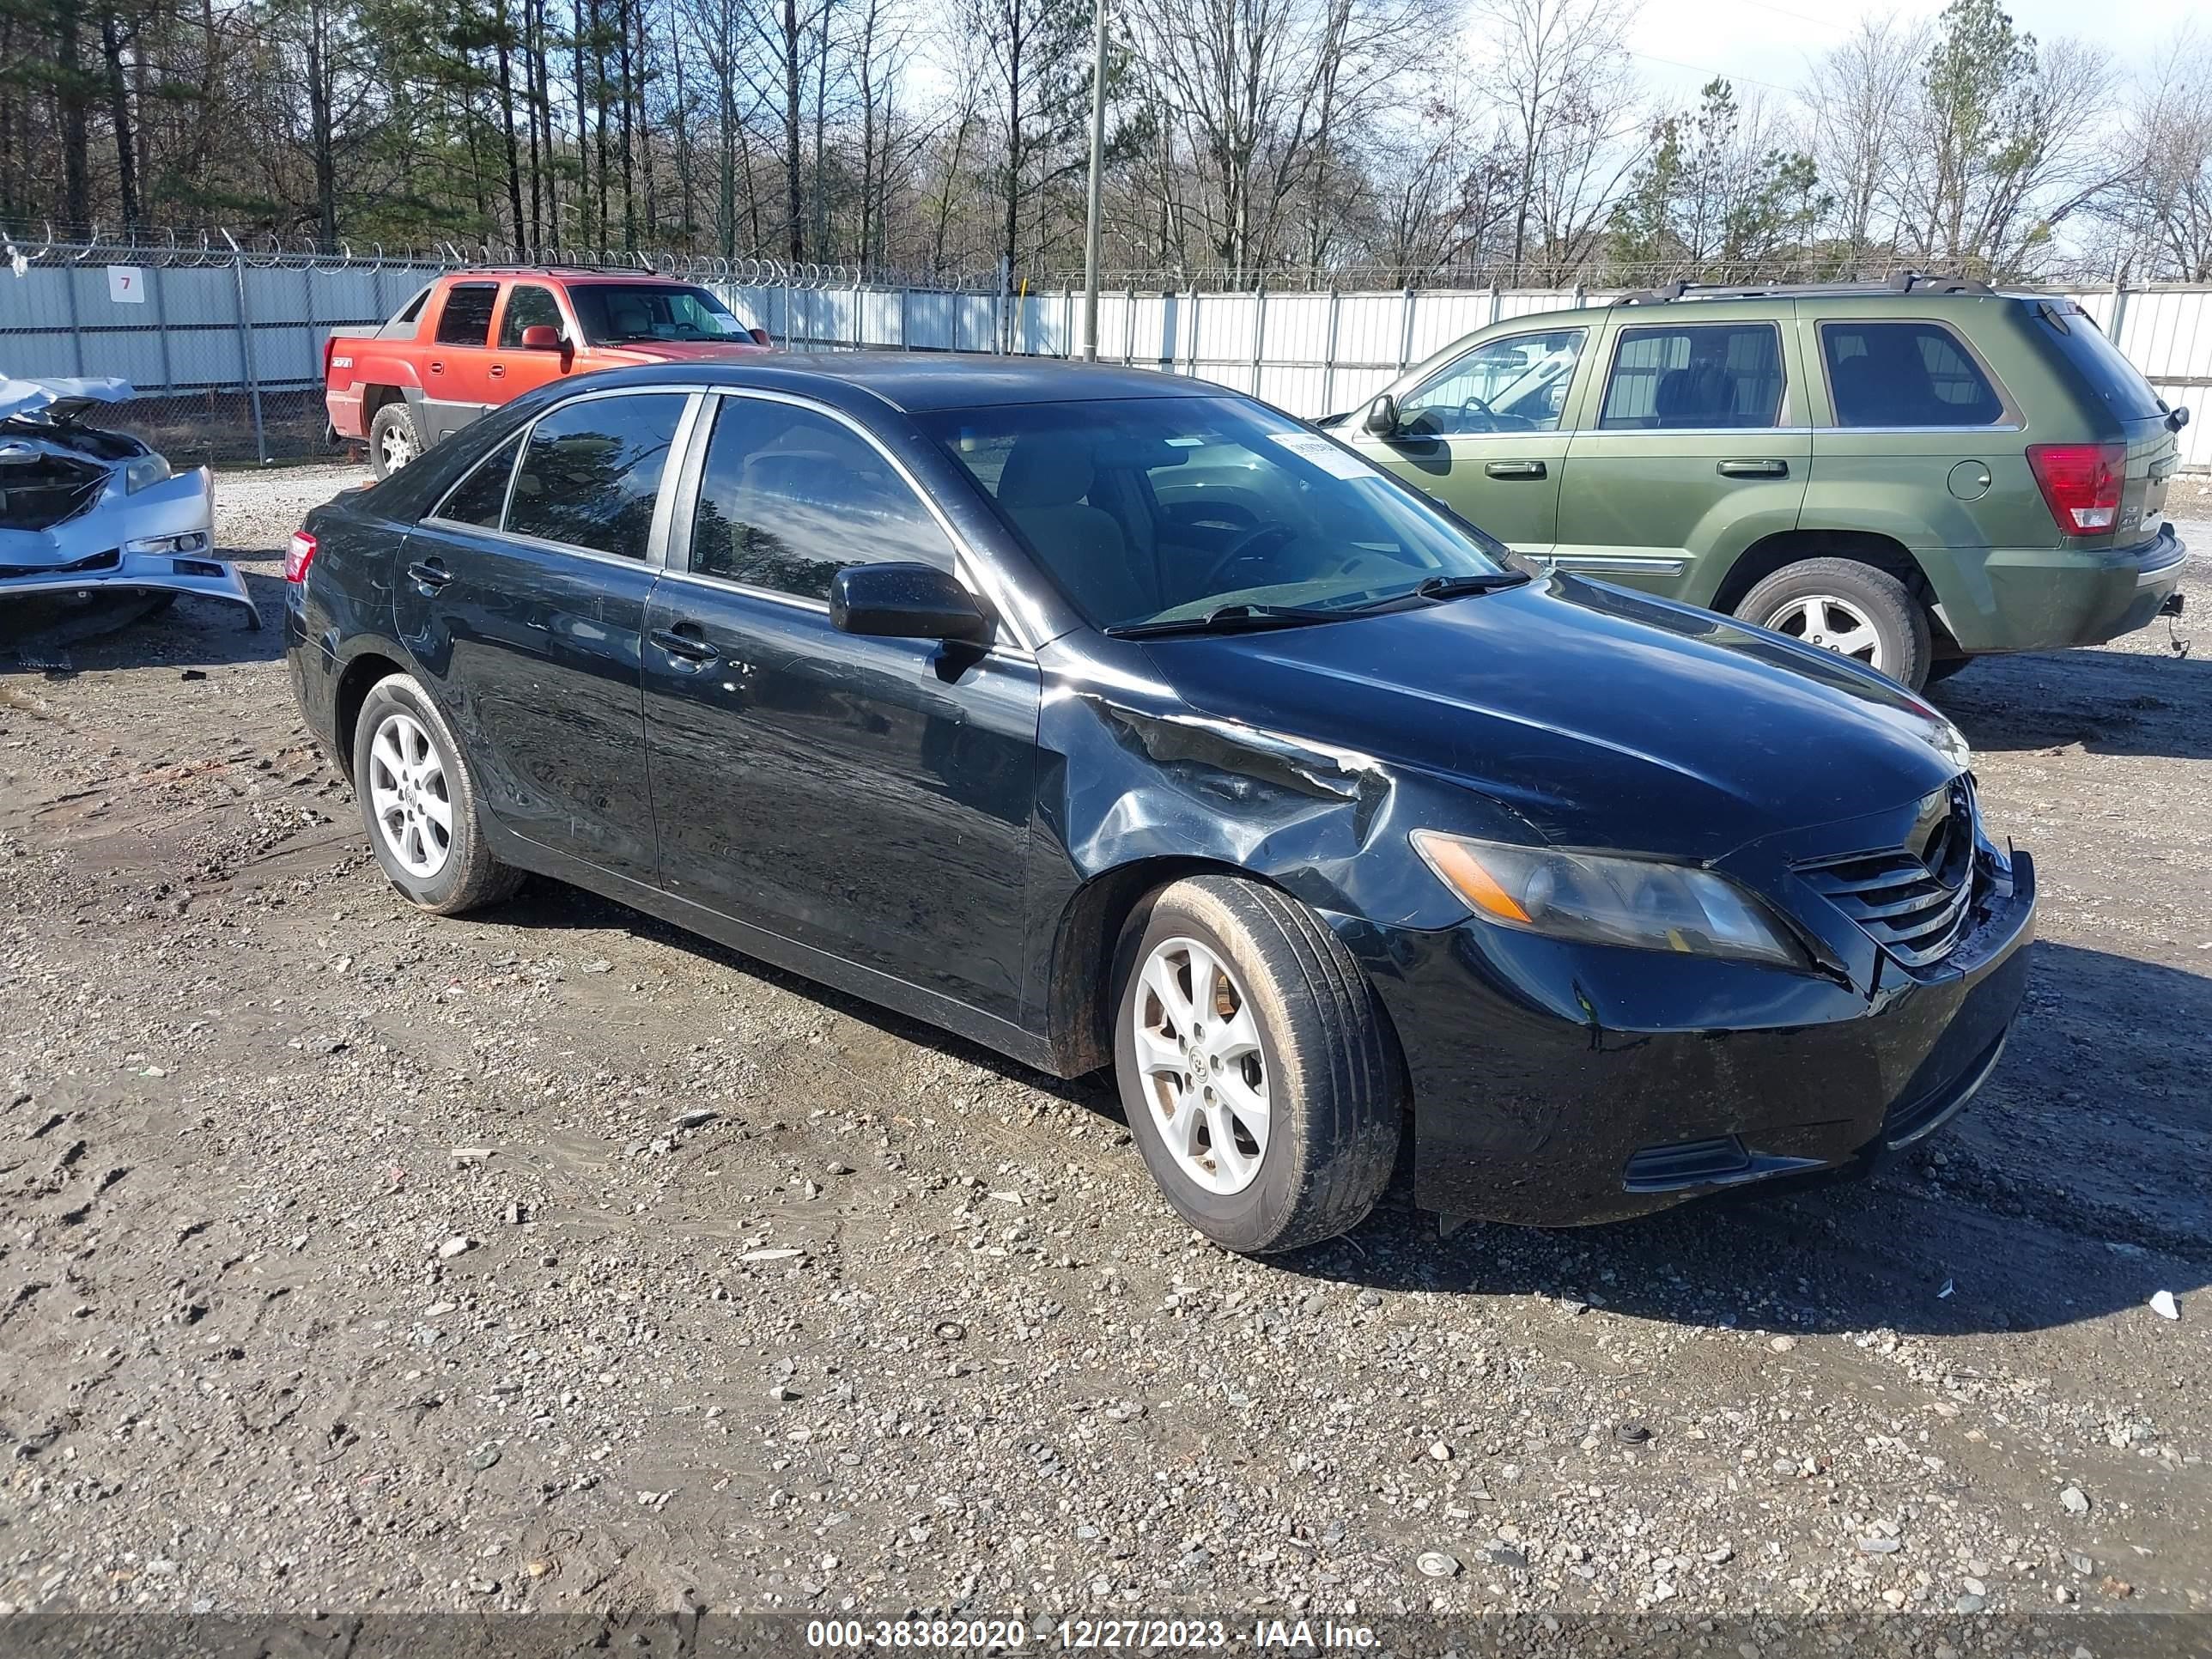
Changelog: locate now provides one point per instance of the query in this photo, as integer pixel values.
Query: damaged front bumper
(1555, 1088)
(153, 540)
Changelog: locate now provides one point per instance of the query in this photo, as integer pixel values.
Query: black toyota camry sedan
(1111, 719)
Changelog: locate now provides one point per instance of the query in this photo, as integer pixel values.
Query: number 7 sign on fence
(126, 285)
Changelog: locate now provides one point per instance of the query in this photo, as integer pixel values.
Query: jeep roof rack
(1904, 282)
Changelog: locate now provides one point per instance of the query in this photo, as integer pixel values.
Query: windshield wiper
(1228, 619)
(1458, 587)
(1437, 589)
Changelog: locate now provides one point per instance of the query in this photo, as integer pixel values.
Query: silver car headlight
(1601, 900)
(143, 469)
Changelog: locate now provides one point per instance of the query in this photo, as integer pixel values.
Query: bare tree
(1857, 96)
(2161, 209)
(1571, 106)
(1244, 90)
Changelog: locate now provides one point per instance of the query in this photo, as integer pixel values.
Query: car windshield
(1156, 510)
(615, 313)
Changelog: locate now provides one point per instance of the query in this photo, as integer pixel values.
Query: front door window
(1518, 384)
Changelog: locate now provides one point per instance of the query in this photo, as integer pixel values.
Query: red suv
(475, 338)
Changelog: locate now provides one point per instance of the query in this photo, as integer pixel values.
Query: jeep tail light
(299, 555)
(2082, 483)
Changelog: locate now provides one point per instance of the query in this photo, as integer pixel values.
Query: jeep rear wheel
(1848, 608)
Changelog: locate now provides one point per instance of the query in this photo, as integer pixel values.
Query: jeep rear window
(2112, 376)
(1892, 374)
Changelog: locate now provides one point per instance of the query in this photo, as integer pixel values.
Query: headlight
(1609, 900)
(142, 471)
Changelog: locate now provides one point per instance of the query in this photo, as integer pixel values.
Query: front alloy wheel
(1259, 1075)
(1206, 1077)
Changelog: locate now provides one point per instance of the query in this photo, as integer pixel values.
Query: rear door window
(790, 497)
(1694, 376)
(1904, 374)
(591, 472)
(481, 497)
(466, 319)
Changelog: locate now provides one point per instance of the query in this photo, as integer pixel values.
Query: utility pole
(1097, 166)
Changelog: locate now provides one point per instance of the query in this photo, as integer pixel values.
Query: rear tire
(394, 441)
(418, 803)
(1852, 608)
(1266, 1098)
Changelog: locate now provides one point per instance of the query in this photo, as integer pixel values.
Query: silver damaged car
(85, 511)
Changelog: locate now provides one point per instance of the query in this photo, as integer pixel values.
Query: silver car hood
(63, 400)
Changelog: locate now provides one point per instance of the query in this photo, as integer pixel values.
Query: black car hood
(1602, 717)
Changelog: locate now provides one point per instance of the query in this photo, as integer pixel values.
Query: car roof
(918, 381)
(563, 273)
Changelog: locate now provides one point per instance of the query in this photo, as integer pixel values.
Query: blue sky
(1681, 43)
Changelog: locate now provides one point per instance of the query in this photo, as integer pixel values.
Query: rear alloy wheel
(393, 441)
(1259, 1078)
(1851, 608)
(408, 795)
(419, 803)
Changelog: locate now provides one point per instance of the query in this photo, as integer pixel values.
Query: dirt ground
(355, 1260)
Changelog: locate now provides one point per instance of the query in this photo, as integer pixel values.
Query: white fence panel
(1309, 352)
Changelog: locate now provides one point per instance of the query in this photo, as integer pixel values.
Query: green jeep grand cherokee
(1912, 474)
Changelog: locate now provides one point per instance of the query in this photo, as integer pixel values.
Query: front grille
(1914, 900)
(106, 561)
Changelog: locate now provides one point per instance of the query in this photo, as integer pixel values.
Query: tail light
(299, 555)
(2082, 483)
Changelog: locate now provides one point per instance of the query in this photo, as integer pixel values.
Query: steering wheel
(1480, 407)
(1249, 545)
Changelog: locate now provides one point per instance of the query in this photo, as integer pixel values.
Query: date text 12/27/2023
(1125, 1635)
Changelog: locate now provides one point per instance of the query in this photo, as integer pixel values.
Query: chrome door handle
(1759, 469)
(1514, 469)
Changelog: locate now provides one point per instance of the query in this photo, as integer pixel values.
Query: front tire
(1260, 1077)
(418, 803)
(394, 441)
(1851, 608)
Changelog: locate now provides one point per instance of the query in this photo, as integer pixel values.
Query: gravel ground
(352, 1260)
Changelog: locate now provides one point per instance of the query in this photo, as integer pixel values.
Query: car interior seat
(1700, 394)
(1043, 488)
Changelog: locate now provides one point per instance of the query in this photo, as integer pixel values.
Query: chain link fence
(222, 338)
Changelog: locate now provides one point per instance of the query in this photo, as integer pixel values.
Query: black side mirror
(905, 602)
(2178, 417)
(1381, 419)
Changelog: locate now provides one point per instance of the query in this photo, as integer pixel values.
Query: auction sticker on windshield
(1338, 462)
